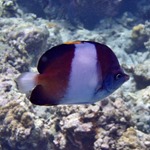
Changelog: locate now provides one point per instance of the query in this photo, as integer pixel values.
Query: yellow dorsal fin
(73, 42)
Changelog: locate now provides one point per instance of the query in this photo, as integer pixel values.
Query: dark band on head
(52, 54)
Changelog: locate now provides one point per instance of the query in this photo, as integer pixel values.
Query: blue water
(89, 13)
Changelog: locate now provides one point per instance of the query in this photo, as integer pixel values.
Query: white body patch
(83, 76)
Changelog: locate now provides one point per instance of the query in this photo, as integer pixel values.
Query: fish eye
(118, 76)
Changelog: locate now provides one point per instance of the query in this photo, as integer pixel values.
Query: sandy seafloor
(121, 121)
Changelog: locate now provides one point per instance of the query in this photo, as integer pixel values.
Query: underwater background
(30, 27)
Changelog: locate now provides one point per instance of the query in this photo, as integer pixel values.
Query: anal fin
(39, 97)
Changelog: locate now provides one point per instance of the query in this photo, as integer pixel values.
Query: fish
(76, 72)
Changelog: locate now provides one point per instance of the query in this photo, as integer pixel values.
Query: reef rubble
(120, 122)
(105, 125)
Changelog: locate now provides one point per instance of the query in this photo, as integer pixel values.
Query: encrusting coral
(140, 37)
(100, 124)
(137, 31)
(18, 126)
(131, 139)
(9, 8)
(111, 124)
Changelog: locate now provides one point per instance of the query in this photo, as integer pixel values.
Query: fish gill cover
(29, 28)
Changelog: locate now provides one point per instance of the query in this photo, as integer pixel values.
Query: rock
(139, 38)
(29, 37)
(137, 31)
(9, 8)
(131, 140)
(139, 104)
(18, 128)
(141, 74)
(119, 122)
(96, 123)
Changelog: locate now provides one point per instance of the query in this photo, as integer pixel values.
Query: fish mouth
(126, 77)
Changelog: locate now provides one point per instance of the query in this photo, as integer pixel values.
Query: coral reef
(9, 8)
(132, 139)
(36, 7)
(18, 126)
(140, 107)
(147, 43)
(119, 122)
(25, 37)
(101, 125)
(140, 36)
(141, 74)
(75, 11)
(137, 31)
(29, 37)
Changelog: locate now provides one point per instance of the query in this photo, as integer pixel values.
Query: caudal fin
(26, 82)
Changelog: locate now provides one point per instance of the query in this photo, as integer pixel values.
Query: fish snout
(126, 77)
